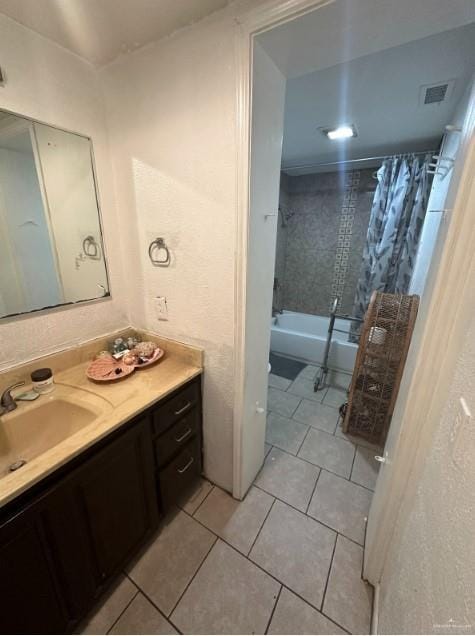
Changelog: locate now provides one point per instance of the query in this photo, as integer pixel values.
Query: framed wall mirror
(51, 246)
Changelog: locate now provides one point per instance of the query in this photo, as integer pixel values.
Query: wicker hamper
(382, 351)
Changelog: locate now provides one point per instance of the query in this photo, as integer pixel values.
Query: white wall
(436, 203)
(50, 84)
(171, 110)
(429, 576)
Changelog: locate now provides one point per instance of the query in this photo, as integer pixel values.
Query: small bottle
(42, 380)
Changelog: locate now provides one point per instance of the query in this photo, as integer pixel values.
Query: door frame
(446, 301)
(247, 27)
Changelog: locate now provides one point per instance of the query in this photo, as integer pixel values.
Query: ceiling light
(341, 132)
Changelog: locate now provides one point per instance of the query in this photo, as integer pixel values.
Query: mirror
(51, 248)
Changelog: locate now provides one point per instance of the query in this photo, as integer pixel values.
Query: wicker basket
(382, 352)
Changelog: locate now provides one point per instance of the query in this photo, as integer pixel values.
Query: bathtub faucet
(276, 311)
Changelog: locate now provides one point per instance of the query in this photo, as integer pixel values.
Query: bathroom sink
(35, 427)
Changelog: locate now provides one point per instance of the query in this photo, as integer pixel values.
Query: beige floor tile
(317, 415)
(365, 468)
(166, 566)
(354, 439)
(288, 478)
(194, 498)
(309, 372)
(348, 598)
(296, 550)
(342, 505)
(335, 397)
(285, 433)
(277, 382)
(294, 616)
(141, 617)
(109, 610)
(237, 522)
(229, 595)
(328, 451)
(281, 402)
(303, 387)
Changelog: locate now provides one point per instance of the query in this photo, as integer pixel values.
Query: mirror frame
(62, 306)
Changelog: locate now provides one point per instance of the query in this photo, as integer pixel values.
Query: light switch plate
(462, 435)
(161, 308)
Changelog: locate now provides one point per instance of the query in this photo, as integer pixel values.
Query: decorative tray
(106, 369)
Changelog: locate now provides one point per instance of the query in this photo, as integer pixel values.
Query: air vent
(436, 93)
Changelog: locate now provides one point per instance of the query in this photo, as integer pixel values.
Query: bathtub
(303, 337)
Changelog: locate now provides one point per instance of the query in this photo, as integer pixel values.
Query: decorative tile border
(345, 232)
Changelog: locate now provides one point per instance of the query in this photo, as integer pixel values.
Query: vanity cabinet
(27, 573)
(63, 543)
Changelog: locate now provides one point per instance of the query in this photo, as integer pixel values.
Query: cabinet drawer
(180, 473)
(176, 407)
(176, 437)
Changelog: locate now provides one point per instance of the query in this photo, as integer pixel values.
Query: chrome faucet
(7, 402)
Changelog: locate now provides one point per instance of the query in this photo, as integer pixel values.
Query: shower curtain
(394, 229)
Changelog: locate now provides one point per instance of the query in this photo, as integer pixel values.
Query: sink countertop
(127, 397)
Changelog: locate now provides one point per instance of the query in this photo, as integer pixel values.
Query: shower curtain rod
(337, 163)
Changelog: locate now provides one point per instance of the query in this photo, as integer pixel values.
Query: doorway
(270, 219)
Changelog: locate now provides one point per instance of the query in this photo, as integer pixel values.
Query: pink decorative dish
(158, 353)
(107, 369)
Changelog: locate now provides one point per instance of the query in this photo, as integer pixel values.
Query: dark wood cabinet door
(30, 594)
(115, 490)
(64, 529)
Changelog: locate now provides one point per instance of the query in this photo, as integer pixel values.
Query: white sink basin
(35, 427)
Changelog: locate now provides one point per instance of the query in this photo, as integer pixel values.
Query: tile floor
(286, 560)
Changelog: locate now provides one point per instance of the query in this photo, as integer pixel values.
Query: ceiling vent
(436, 93)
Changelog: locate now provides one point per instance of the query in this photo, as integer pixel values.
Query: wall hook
(159, 245)
(91, 248)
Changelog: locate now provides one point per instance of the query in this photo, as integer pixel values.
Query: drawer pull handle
(184, 436)
(185, 468)
(183, 408)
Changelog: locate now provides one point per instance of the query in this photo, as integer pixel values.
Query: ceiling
(343, 30)
(381, 94)
(100, 30)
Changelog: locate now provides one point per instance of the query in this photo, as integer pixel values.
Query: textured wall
(428, 580)
(281, 243)
(173, 144)
(327, 219)
(50, 84)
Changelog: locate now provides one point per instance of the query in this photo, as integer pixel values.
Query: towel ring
(159, 245)
(91, 248)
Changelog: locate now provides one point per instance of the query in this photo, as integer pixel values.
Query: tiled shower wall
(323, 219)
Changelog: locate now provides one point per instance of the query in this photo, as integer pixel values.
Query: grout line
(262, 525)
(328, 574)
(334, 621)
(303, 441)
(309, 516)
(352, 464)
(313, 492)
(125, 608)
(295, 409)
(150, 600)
(198, 569)
(205, 498)
(273, 610)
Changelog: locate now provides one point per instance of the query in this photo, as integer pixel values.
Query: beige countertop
(121, 401)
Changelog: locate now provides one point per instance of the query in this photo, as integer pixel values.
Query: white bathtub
(303, 337)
